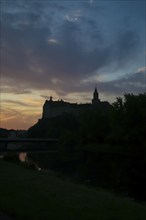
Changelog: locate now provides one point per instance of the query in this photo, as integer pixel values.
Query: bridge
(27, 145)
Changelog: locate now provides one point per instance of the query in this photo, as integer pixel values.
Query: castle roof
(59, 103)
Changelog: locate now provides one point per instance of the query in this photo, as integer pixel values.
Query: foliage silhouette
(109, 147)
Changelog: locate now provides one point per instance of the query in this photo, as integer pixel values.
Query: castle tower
(95, 99)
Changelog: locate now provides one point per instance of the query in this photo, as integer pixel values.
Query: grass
(28, 194)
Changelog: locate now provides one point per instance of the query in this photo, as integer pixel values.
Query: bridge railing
(27, 144)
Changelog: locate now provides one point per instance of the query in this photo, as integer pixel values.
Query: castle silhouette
(55, 108)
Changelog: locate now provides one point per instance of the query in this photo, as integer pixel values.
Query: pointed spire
(95, 89)
(95, 96)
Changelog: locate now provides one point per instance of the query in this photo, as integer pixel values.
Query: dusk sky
(66, 48)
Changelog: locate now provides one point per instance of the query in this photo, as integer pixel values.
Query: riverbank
(29, 194)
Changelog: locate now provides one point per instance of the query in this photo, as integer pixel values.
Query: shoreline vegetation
(108, 148)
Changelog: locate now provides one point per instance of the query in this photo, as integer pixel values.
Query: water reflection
(22, 156)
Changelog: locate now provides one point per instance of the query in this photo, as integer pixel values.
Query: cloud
(142, 69)
(52, 41)
(7, 101)
(39, 45)
(16, 119)
(126, 48)
(129, 83)
(13, 90)
(63, 49)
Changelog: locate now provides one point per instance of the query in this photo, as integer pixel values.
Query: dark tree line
(124, 123)
(106, 147)
(129, 119)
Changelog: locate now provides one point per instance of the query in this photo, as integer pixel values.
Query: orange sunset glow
(65, 49)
